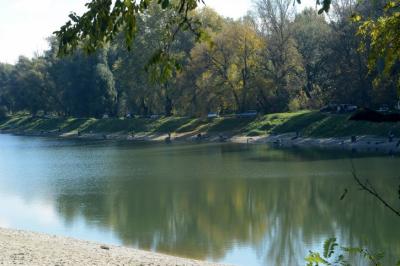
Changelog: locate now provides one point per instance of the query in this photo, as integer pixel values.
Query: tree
(348, 75)
(84, 84)
(148, 86)
(5, 76)
(29, 86)
(231, 60)
(382, 40)
(311, 33)
(198, 95)
(104, 19)
(273, 61)
(281, 60)
(105, 95)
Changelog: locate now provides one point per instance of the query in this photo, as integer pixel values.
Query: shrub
(3, 112)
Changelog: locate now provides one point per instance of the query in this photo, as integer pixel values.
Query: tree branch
(371, 190)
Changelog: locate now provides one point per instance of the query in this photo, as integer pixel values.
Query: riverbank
(28, 248)
(297, 129)
(364, 143)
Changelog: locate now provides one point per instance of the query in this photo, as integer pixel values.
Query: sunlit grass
(307, 123)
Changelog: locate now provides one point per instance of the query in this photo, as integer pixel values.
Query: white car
(155, 116)
(383, 108)
(212, 115)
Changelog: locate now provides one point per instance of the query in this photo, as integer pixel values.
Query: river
(241, 204)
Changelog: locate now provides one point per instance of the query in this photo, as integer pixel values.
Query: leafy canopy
(381, 38)
(104, 20)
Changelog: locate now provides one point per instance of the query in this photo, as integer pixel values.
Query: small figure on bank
(168, 138)
(131, 136)
(296, 136)
(390, 136)
(278, 142)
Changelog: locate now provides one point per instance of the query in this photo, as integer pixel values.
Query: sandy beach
(28, 248)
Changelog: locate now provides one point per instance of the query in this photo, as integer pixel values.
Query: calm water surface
(246, 205)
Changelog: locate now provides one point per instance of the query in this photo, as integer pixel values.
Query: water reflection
(202, 219)
(217, 202)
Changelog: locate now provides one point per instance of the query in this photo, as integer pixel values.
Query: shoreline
(314, 130)
(29, 248)
(364, 143)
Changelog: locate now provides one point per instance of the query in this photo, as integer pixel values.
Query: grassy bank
(308, 123)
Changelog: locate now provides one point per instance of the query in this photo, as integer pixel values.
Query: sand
(28, 248)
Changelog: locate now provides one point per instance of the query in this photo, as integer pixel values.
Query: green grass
(308, 123)
(315, 124)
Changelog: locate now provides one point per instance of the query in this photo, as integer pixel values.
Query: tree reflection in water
(200, 212)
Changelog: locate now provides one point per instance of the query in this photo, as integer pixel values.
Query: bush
(3, 112)
(294, 105)
(374, 116)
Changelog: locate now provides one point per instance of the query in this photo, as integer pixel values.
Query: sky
(25, 24)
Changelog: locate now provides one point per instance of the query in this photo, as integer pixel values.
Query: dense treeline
(272, 60)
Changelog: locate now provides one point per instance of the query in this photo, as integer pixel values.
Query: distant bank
(304, 128)
(27, 248)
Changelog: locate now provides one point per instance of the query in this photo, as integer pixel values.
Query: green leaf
(356, 17)
(315, 259)
(73, 17)
(352, 250)
(329, 247)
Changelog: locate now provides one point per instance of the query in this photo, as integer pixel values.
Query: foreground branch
(371, 190)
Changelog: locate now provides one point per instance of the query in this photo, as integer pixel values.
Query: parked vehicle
(375, 116)
(155, 116)
(383, 108)
(351, 108)
(397, 106)
(330, 108)
(339, 108)
(249, 113)
(212, 115)
(50, 116)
